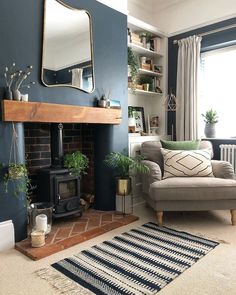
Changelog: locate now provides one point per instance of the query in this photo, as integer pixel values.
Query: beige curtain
(77, 77)
(187, 88)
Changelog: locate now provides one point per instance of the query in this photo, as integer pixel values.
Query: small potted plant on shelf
(76, 163)
(146, 81)
(210, 118)
(131, 119)
(133, 66)
(124, 166)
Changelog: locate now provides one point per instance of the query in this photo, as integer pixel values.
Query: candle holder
(40, 217)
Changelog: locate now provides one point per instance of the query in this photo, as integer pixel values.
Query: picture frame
(138, 113)
(153, 124)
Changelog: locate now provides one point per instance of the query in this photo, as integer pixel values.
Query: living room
(30, 131)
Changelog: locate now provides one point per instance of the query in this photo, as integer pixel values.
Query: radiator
(228, 153)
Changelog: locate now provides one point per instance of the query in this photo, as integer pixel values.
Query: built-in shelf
(144, 51)
(144, 92)
(149, 73)
(19, 111)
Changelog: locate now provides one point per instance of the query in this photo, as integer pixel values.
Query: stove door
(67, 194)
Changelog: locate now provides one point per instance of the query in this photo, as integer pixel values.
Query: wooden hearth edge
(19, 111)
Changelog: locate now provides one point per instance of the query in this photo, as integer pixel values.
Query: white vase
(16, 95)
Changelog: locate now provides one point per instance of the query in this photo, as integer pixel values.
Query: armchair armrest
(222, 169)
(153, 175)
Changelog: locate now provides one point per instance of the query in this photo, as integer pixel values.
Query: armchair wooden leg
(233, 216)
(160, 217)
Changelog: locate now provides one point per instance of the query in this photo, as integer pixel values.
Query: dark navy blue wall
(21, 42)
(209, 42)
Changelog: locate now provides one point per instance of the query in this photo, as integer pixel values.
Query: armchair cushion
(222, 169)
(181, 145)
(179, 163)
(193, 189)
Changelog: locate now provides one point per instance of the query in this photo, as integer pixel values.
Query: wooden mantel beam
(19, 111)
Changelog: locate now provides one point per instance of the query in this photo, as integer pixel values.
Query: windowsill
(219, 138)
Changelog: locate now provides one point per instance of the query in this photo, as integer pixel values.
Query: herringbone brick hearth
(68, 232)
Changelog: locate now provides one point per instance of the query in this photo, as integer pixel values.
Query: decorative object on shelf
(147, 83)
(133, 63)
(210, 118)
(14, 80)
(139, 119)
(170, 102)
(146, 39)
(16, 173)
(25, 97)
(104, 101)
(115, 104)
(77, 163)
(40, 217)
(124, 166)
(153, 124)
(131, 119)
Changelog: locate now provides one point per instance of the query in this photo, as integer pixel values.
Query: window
(218, 89)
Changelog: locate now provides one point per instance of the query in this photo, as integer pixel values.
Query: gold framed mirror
(67, 55)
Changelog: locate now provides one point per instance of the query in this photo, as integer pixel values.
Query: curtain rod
(212, 32)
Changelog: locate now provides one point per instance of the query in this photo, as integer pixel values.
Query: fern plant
(123, 164)
(76, 163)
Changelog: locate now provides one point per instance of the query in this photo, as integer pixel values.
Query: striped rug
(140, 261)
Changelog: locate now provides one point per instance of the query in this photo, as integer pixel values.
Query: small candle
(41, 221)
(37, 238)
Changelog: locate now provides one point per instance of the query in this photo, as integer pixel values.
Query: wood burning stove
(56, 184)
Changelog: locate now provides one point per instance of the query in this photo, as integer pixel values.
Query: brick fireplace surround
(38, 152)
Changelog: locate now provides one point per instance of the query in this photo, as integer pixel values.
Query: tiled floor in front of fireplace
(68, 232)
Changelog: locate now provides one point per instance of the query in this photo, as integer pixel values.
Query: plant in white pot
(210, 118)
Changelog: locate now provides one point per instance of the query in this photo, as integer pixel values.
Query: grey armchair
(187, 193)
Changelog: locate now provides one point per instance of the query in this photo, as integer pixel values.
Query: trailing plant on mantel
(77, 163)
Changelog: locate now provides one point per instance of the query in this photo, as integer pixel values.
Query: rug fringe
(212, 238)
(61, 283)
(215, 239)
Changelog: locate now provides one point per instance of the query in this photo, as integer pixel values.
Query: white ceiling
(164, 4)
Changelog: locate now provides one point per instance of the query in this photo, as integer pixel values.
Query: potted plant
(210, 118)
(131, 119)
(123, 166)
(133, 65)
(76, 163)
(146, 81)
(17, 174)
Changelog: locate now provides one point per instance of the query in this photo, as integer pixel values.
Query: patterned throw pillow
(195, 163)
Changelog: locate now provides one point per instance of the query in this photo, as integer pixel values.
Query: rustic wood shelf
(19, 111)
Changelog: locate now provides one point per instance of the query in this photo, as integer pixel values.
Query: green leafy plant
(123, 164)
(210, 117)
(133, 62)
(77, 163)
(132, 113)
(145, 80)
(148, 35)
(18, 175)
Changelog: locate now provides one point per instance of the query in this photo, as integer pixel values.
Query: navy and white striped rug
(140, 261)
